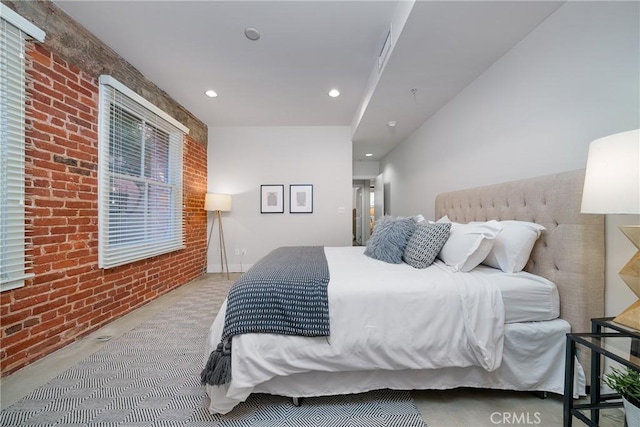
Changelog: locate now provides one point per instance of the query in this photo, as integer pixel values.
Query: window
(140, 178)
(14, 29)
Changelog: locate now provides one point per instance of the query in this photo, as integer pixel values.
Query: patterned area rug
(151, 377)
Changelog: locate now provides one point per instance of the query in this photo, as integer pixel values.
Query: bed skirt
(532, 352)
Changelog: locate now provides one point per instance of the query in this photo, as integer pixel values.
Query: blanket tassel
(218, 368)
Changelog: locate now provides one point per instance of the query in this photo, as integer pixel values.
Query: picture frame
(272, 198)
(301, 198)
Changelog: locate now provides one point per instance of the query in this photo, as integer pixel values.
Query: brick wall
(70, 296)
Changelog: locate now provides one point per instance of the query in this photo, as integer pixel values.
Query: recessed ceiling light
(334, 93)
(211, 93)
(392, 124)
(368, 155)
(252, 33)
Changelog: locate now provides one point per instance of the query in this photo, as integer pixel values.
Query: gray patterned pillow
(425, 244)
(390, 236)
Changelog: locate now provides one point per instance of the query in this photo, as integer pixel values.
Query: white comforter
(383, 316)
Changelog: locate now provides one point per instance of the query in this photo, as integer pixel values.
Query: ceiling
(307, 48)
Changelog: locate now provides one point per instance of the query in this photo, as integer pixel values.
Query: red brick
(33, 76)
(64, 106)
(9, 340)
(79, 311)
(71, 127)
(49, 165)
(66, 141)
(35, 352)
(29, 292)
(45, 240)
(41, 97)
(70, 295)
(36, 115)
(47, 307)
(48, 221)
(70, 76)
(80, 221)
(99, 320)
(45, 94)
(42, 192)
(48, 109)
(56, 77)
(76, 296)
(81, 90)
(15, 318)
(40, 154)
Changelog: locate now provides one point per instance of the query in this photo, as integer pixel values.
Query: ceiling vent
(384, 51)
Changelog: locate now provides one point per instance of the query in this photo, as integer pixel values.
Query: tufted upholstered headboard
(570, 252)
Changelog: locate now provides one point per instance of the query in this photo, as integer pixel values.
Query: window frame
(113, 248)
(15, 266)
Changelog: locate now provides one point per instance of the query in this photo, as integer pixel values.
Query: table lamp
(612, 186)
(218, 203)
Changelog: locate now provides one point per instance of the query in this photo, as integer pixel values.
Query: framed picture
(272, 199)
(301, 198)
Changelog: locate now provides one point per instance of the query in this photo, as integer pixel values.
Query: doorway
(368, 202)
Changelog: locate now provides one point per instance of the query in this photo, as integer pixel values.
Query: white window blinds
(140, 178)
(14, 266)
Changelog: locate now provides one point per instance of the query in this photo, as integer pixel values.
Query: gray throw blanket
(283, 293)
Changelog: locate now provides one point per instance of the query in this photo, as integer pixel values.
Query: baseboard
(233, 268)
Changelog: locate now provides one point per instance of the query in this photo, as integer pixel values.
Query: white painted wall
(365, 170)
(240, 159)
(573, 79)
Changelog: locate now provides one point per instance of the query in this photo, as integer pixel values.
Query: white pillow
(468, 244)
(418, 219)
(513, 246)
(443, 219)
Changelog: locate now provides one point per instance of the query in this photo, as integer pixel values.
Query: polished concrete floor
(453, 408)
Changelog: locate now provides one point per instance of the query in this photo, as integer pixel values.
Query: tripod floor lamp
(218, 203)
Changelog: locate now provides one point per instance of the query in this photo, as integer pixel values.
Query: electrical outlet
(244, 251)
(237, 251)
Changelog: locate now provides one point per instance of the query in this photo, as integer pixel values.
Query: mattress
(526, 297)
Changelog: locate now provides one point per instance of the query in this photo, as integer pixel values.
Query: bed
(518, 345)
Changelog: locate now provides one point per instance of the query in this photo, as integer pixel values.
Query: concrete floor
(453, 408)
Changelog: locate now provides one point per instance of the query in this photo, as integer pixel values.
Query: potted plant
(627, 384)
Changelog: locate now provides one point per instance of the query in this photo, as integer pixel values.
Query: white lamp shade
(217, 202)
(612, 180)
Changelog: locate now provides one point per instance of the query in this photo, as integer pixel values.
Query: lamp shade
(612, 179)
(217, 202)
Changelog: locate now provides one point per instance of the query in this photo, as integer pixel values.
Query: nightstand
(601, 344)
